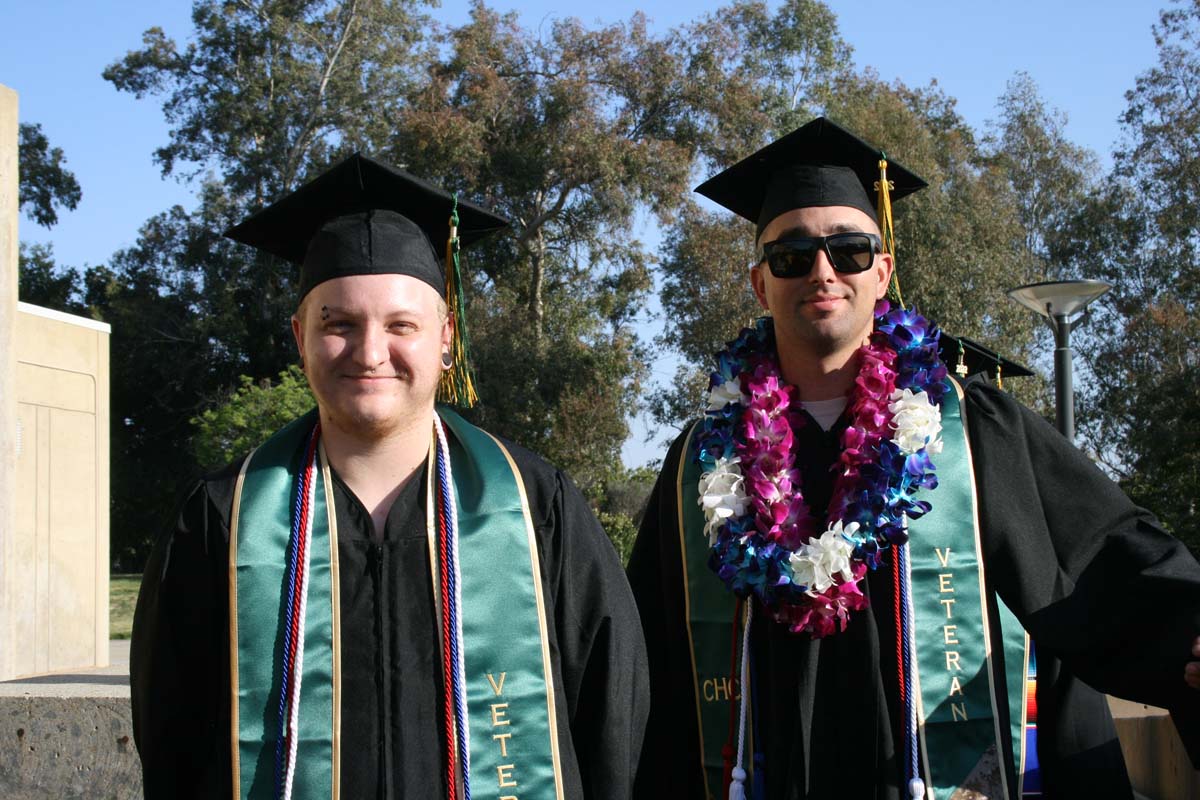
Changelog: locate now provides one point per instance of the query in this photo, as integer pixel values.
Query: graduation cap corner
(966, 357)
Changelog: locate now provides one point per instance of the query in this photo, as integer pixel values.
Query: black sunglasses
(847, 252)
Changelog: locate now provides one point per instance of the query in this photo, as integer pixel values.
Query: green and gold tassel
(457, 385)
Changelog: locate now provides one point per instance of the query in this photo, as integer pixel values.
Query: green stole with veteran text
(507, 673)
(959, 725)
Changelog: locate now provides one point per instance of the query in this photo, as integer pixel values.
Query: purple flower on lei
(877, 482)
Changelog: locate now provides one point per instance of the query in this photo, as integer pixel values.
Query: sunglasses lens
(852, 252)
(791, 259)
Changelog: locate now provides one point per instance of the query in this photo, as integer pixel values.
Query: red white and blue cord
(449, 581)
(292, 666)
(458, 738)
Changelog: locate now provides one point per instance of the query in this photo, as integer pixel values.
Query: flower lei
(765, 540)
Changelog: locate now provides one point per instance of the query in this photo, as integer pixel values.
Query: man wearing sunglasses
(859, 577)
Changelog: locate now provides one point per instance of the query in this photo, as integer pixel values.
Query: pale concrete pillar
(9, 204)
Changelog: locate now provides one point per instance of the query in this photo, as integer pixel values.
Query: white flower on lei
(722, 495)
(916, 422)
(727, 392)
(817, 562)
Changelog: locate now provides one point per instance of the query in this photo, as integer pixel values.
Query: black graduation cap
(818, 164)
(976, 358)
(363, 217)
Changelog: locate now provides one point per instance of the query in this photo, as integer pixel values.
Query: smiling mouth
(823, 299)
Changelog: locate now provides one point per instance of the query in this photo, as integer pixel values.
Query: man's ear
(298, 335)
(448, 333)
(884, 265)
(758, 281)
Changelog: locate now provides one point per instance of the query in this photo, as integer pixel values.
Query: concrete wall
(8, 406)
(53, 465)
(1158, 764)
(58, 591)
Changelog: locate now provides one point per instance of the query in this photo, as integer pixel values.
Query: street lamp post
(1058, 301)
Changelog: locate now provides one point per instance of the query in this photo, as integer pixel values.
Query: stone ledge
(70, 735)
(68, 747)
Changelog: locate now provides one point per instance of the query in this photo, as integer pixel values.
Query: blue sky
(1083, 55)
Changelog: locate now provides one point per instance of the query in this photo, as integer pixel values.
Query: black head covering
(363, 217)
(976, 358)
(819, 164)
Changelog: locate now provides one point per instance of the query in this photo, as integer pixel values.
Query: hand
(1191, 673)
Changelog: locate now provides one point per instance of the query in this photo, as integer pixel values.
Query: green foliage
(753, 73)
(1142, 234)
(162, 369)
(45, 184)
(1166, 473)
(620, 503)
(265, 94)
(959, 242)
(621, 532)
(957, 248)
(1050, 177)
(268, 90)
(122, 600)
(249, 416)
(578, 134)
(706, 294)
(41, 282)
(568, 132)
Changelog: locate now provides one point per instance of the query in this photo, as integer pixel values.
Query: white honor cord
(737, 789)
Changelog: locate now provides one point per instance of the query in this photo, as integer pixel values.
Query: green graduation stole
(508, 684)
(709, 610)
(957, 682)
(956, 669)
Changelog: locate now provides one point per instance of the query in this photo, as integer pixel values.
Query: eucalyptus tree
(1142, 234)
(263, 94)
(577, 135)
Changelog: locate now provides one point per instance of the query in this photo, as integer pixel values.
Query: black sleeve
(178, 666)
(1093, 578)
(599, 637)
(670, 763)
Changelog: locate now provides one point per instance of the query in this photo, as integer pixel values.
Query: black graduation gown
(392, 729)
(1108, 597)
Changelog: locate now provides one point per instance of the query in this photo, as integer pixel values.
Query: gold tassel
(883, 188)
(999, 377)
(456, 385)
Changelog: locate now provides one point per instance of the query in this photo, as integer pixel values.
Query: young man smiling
(383, 601)
(822, 318)
(839, 563)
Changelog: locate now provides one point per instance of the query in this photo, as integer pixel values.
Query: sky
(1084, 56)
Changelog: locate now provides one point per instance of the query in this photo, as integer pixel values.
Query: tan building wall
(58, 589)
(53, 465)
(8, 412)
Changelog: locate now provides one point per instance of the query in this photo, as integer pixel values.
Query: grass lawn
(122, 597)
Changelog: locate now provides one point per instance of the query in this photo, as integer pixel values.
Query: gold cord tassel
(883, 189)
(456, 385)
